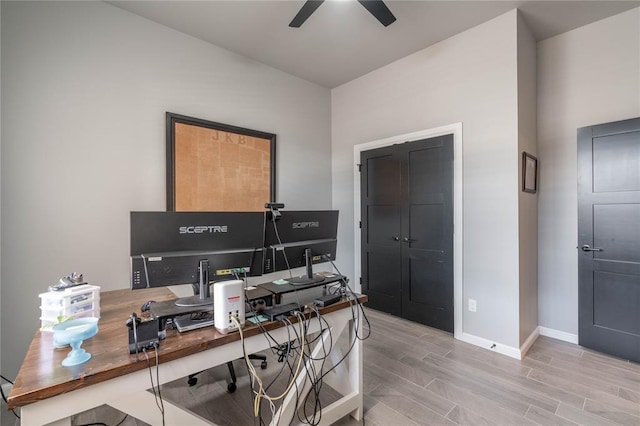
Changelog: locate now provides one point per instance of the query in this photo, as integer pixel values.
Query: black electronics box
(327, 300)
(145, 334)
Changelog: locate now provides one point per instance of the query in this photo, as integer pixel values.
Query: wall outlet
(472, 305)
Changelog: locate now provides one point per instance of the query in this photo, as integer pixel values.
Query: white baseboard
(560, 335)
(492, 346)
(518, 353)
(524, 348)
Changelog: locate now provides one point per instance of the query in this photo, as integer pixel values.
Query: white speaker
(228, 301)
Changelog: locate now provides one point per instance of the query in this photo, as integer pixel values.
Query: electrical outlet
(472, 305)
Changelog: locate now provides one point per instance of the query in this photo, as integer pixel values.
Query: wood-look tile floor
(416, 375)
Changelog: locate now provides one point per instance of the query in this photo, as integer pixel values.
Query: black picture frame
(529, 173)
(231, 133)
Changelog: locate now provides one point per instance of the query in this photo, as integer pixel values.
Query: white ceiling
(341, 40)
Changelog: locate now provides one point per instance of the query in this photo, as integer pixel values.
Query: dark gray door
(381, 214)
(609, 238)
(407, 230)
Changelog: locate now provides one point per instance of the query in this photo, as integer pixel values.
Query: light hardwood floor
(418, 375)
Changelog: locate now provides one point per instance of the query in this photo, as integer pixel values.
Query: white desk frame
(129, 393)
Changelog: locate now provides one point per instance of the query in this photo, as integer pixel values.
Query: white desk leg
(347, 377)
(286, 412)
(29, 420)
(143, 406)
(30, 415)
(350, 387)
(355, 372)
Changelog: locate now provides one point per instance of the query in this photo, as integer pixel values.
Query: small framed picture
(529, 173)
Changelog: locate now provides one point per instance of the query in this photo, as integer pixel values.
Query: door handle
(587, 247)
(396, 238)
(407, 240)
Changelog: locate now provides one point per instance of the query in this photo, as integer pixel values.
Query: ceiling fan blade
(380, 10)
(307, 9)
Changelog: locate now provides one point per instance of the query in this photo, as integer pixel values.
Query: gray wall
(527, 202)
(587, 76)
(472, 78)
(84, 90)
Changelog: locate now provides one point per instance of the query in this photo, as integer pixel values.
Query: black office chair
(231, 387)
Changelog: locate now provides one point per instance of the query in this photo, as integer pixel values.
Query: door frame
(456, 130)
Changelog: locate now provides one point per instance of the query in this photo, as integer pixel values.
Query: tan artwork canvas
(218, 170)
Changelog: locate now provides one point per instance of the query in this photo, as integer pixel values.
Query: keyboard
(188, 323)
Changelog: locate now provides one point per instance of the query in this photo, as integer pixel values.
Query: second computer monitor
(301, 238)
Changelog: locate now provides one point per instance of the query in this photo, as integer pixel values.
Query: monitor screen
(300, 238)
(170, 248)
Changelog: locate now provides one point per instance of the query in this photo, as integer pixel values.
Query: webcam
(274, 210)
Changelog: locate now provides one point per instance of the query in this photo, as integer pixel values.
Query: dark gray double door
(609, 238)
(407, 230)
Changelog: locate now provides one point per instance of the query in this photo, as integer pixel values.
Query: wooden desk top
(43, 376)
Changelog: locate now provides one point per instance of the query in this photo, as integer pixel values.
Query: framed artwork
(218, 167)
(529, 173)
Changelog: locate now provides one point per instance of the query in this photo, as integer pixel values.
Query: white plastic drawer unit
(74, 302)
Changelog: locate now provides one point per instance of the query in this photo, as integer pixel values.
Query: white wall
(587, 76)
(85, 87)
(528, 203)
(469, 78)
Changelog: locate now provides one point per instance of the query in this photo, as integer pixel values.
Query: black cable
(355, 297)
(356, 320)
(4, 396)
(155, 346)
(316, 380)
(284, 252)
(311, 371)
(153, 387)
(286, 355)
(314, 374)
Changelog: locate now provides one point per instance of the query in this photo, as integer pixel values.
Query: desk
(47, 393)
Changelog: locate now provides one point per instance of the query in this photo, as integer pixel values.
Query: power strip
(228, 301)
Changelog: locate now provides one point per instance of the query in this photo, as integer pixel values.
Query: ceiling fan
(376, 7)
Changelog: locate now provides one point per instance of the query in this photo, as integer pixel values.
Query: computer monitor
(301, 238)
(171, 248)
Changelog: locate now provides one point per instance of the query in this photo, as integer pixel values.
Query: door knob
(396, 238)
(407, 240)
(587, 247)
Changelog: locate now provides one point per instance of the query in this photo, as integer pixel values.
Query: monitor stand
(204, 296)
(310, 277)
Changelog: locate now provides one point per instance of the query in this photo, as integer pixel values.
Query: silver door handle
(407, 240)
(587, 247)
(396, 238)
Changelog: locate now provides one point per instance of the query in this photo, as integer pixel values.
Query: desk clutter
(65, 302)
(114, 377)
(263, 307)
(264, 302)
